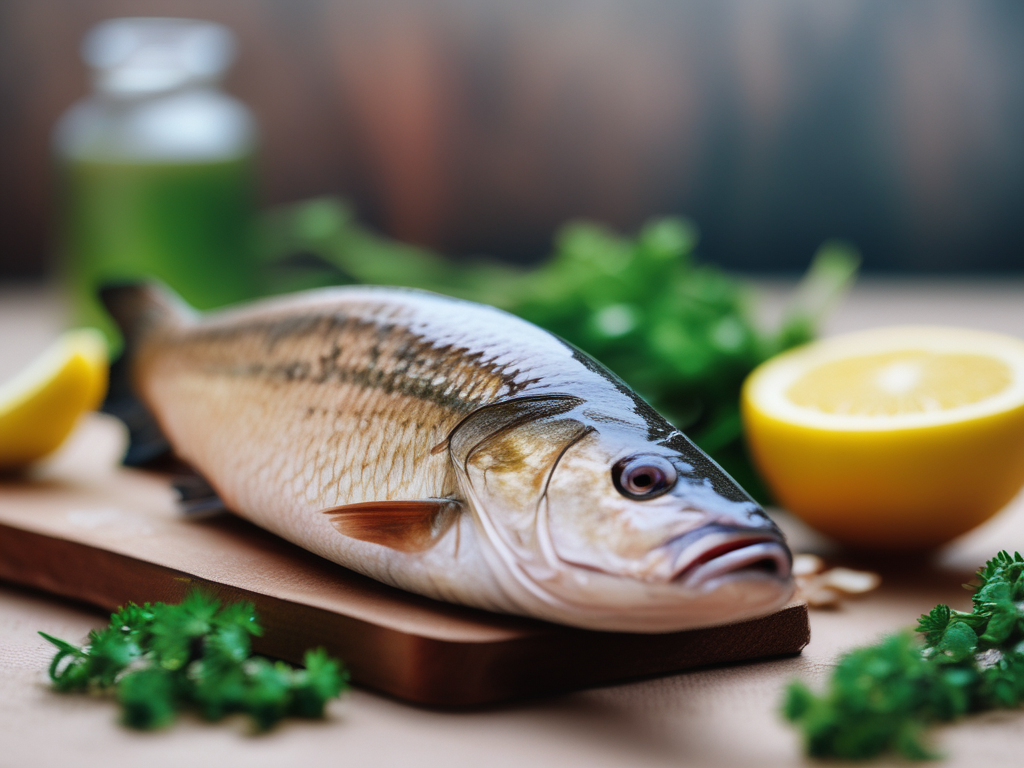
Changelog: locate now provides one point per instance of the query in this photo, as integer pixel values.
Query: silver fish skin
(453, 450)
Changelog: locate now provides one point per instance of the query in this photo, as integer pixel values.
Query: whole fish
(456, 451)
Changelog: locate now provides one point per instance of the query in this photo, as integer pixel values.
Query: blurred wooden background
(480, 125)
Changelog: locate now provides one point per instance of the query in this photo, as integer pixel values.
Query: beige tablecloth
(717, 717)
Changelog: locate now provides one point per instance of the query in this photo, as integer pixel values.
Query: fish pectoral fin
(408, 525)
(196, 497)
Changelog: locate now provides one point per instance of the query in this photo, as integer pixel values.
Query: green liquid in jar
(188, 224)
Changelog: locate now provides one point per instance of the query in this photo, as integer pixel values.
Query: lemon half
(41, 405)
(896, 438)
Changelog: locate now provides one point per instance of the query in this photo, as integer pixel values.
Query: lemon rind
(767, 386)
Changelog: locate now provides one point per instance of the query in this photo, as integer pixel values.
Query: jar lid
(139, 56)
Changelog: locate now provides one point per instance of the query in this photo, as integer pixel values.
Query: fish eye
(643, 477)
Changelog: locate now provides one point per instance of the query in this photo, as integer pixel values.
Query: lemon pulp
(897, 438)
(903, 381)
(41, 405)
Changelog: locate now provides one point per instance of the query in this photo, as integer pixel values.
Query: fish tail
(139, 309)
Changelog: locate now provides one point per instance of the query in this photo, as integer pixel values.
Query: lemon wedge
(41, 405)
(895, 438)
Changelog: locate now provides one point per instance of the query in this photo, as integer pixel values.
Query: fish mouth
(711, 554)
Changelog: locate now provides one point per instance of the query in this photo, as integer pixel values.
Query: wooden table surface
(724, 716)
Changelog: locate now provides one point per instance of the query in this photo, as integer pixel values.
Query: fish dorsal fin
(407, 525)
(490, 421)
(139, 308)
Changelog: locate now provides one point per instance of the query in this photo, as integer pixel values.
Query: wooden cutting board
(83, 528)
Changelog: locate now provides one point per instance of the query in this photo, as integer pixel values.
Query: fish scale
(380, 371)
(453, 450)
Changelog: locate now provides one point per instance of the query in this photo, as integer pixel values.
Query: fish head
(594, 523)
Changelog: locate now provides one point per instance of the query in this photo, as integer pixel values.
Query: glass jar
(155, 167)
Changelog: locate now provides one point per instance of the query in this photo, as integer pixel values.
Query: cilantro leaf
(958, 642)
(933, 625)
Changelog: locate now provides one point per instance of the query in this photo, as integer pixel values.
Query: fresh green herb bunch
(885, 696)
(160, 658)
(683, 334)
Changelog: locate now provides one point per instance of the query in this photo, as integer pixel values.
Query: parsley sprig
(885, 696)
(159, 658)
(681, 332)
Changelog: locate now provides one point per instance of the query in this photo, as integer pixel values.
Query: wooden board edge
(421, 670)
(96, 577)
